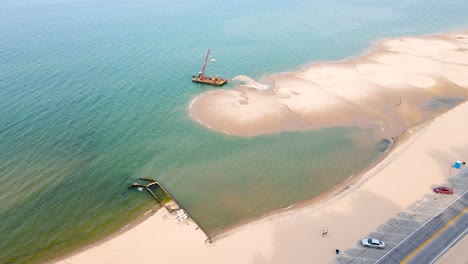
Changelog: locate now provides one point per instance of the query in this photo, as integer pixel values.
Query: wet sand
(383, 89)
(295, 236)
(413, 168)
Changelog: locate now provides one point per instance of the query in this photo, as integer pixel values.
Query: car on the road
(373, 243)
(443, 189)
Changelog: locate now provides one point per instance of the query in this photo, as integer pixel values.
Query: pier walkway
(167, 201)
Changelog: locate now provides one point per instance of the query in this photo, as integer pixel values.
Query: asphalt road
(428, 242)
(422, 232)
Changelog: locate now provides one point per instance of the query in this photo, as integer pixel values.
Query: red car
(444, 190)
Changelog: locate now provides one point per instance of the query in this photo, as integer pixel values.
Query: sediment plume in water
(384, 90)
(246, 81)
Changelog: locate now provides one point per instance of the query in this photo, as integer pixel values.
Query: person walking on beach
(325, 231)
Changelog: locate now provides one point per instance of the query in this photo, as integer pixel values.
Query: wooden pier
(168, 202)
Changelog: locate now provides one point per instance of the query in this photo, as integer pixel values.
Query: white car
(373, 243)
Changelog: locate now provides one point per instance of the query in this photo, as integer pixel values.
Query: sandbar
(373, 86)
(295, 236)
(433, 65)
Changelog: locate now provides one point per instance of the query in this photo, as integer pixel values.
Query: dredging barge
(201, 78)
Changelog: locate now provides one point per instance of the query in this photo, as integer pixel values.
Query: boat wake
(249, 82)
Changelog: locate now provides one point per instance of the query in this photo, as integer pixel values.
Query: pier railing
(152, 183)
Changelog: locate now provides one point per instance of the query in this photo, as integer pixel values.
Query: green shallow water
(94, 94)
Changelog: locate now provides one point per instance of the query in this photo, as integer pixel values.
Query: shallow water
(442, 103)
(94, 94)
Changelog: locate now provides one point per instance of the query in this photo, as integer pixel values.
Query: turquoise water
(94, 94)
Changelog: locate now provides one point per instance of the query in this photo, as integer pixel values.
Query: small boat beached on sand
(201, 78)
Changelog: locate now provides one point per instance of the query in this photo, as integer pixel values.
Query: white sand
(458, 74)
(295, 236)
(410, 67)
(298, 97)
(415, 67)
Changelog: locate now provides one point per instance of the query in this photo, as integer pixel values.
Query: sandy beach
(392, 82)
(324, 122)
(416, 165)
(383, 89)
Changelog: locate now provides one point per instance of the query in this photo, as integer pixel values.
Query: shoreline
(127, 228)
(339, 189)
(254, 239)
(353, 181)
(301, 226)
(404, 71)
(293, 222)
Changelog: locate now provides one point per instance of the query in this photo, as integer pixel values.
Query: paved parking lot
(424, 214)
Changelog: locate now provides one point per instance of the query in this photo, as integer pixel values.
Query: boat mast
(202, 76)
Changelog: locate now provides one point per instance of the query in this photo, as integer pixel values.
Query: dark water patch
(384, 145)
(441, 103)
(76, 218)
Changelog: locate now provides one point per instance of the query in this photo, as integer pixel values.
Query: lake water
(94, 94)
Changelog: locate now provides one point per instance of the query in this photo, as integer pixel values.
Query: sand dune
(412, 69)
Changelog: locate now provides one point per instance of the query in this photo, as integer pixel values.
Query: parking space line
(459, 182)
(396, 234)
(439, 203)
(424, 224)
(413, 219)
(408, 227)
(399, 218)
(366, 259)
(420, 213)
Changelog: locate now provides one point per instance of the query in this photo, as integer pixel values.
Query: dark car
(444, 190)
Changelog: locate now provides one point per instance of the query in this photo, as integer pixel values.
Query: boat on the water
(201, 78)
